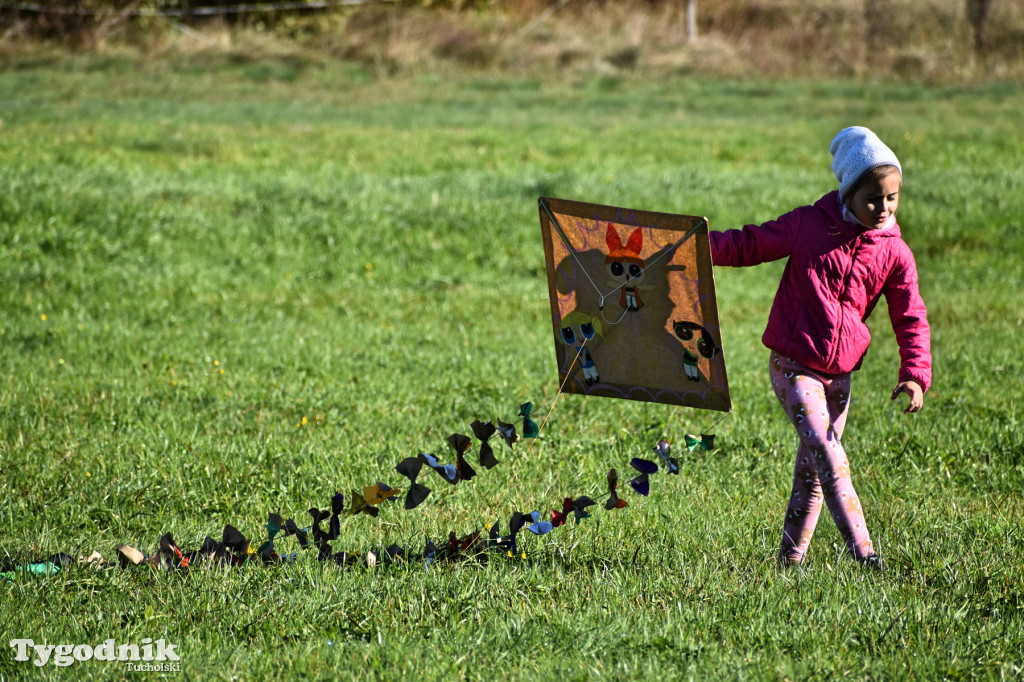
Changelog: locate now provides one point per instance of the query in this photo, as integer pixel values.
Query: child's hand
(916, 393)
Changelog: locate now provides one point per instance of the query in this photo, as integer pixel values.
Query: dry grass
(931, 40)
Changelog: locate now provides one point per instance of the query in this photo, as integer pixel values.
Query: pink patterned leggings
(816, 404)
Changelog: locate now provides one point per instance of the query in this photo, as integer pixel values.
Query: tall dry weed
(942, 40)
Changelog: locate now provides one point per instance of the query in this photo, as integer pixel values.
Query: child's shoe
(786, 561)
(872, 561)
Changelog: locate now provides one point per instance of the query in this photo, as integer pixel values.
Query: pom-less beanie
(855, 151)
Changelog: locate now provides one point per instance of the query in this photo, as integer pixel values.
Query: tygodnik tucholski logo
(154, 656)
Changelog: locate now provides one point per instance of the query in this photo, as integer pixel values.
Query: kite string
(543, 423)
(572, 251)
(515, 470)
(604, 317)
(706, 429)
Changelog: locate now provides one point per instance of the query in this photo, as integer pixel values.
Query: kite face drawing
(704, 345)
(625, 266)
(633, 305)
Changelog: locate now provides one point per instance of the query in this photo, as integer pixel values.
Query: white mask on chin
(849, 217)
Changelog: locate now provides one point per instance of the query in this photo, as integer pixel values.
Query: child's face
(876, 199)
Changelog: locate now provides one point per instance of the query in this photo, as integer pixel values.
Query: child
(844, 252)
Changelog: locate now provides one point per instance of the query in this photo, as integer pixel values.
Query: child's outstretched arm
(756, 244)
(909, 319)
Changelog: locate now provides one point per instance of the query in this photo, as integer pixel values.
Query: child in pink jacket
(844, 252)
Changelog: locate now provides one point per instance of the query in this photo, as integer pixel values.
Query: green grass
(195, 256)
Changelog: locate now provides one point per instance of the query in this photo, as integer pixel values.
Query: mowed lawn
(230, 288)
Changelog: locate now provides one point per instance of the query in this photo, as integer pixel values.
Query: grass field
(233, 288)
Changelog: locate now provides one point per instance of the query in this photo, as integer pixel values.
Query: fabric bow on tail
(360, 506)
(275, 524)
(614, 501)
(460, 444)
(645, 467)
(664, 451)
(292, 528)
(578, 507)
(239, 546)
(508, 433)
(706, 441)
(446, 471)
(410, 468)
(530, 428)
(379, 493)
(483, 432)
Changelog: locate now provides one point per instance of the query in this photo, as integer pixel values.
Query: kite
(212, 550)
(235, 541)
(169, 550)
(579, 507)
(337, 508)
(558, 517)
(633, 305)
(275, 524)
(539, 525)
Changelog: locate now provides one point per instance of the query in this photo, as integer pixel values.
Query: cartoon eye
(682, 332)
(617, 269)
(587, 330)
(634, 270)
(568, 336)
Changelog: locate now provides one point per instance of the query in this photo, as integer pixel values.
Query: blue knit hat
(855, 151)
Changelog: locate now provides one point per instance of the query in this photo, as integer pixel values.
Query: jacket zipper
(834, 353)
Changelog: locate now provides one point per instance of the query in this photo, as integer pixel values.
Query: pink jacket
(836, 272)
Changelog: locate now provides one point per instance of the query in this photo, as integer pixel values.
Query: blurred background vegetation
(942, 41)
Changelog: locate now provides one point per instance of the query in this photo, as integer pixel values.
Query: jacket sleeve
(909, 321)
(756, 244)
